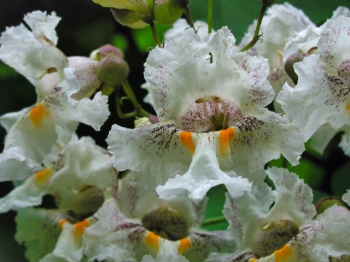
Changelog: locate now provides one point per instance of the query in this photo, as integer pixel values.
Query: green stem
(284, 162)
(119, 109)
(213, 220)
(130, 94)
(155, 35)
(189, 16)
(210, 15)
(256, 36)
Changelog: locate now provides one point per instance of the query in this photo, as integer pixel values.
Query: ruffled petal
(181, 25)
(69, 246)
(13, 165)
(249, 214)
(346, 197)
(260, 139)
(303, 41)
(30, 193)
(204, 173)
(114, 237)
(40, 23)
(197, 68)
(293, 193)
(33, 53)
(284, 19)
(318, 98)
(341, 10)
(332, 47)
(154, 152)
(34, 134)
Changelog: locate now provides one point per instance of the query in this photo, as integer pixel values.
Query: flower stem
(155, 35)
(119, 109)
(130, 94)
(213, 220)
(210, 15)
(189, 16)
(256, 36)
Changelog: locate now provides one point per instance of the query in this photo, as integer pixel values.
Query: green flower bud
(141, 122)
(106, 50)
(112, 70)
(289, 65)
(327, 202)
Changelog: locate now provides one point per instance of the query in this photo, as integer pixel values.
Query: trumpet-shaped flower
(140, 225)
(61, 91)
(306, 41)
(213, 126)
(278, 225)
(321, 97)
(79, 180)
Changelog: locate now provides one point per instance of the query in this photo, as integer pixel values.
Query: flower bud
(141, 122)
(289, 65)
(106, 50)
(112, 70)
(327, 202)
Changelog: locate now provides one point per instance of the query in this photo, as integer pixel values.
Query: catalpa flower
(279, 225)
(138, 225)
(61, 91)
(279, 23)
(305, 43)
(321, 97)
(213, 126)
(80, 179)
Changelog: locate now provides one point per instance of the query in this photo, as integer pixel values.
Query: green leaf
(238, 14)
(143, 37)
(312, 174)
(215, 205)
(120, 41)
(340, 181)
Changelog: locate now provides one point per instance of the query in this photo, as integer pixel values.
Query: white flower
(321, 96)
(279, 226)
(181, 25)
(308, 38)
(61, 90)
(213, 126)
(79, 180)
(138, 224)
(279, 23)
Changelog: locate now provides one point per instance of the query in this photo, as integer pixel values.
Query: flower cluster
(144, 198)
